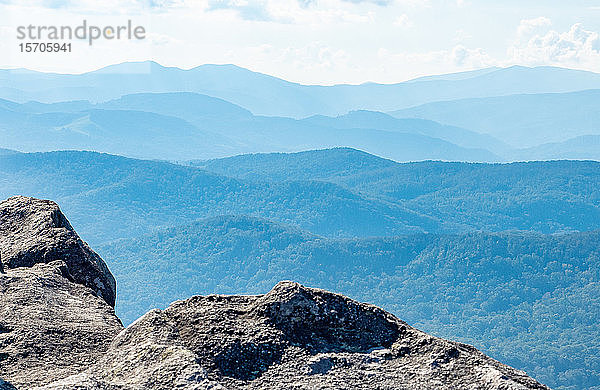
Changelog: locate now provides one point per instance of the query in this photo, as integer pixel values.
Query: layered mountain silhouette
(520, 120)
(424, 197)
(185, 126)
(490, 115)
(56, 333)
(336, 193)
(267, 95)
(357, 224)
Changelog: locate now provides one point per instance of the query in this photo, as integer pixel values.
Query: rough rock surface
(50, 327)
(58, 330)
(291, 338)
(56, 297)
(35, 231)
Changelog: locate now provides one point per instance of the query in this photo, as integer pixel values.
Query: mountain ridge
(268, 95)
(521, 120)
(184, 126)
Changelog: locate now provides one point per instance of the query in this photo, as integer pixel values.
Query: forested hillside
(527, 299)
(336, 193)
(417, 239)
(547, 197)
(109, 197)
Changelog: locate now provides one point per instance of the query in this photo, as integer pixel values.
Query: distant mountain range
(144, 110)
(427, 197)
(334, 193)
(185, 126)
(267, 95)
(520, 120)
(95, 188)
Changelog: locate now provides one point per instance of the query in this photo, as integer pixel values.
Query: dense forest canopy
(502, 256)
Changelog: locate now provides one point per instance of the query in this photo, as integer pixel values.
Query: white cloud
(528, 26)
(461, 36)
(294, 11)
(403, 21)
(318, 54)
(96, 7)
(313, 41)
(576, 47)
(456, 59)
(249, 10)
(462, 56)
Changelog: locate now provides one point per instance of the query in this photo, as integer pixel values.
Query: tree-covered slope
(527, 299)
(336, 193)
(543, 196)
(403, 236)
(109, 197)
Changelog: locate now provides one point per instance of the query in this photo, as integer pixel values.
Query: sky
(317, 41)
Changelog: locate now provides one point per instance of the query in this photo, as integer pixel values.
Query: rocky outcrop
(56, 297)
(294, 337)
(35, 231)
(58, 331)
(50, 326)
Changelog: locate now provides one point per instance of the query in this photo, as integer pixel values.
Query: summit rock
(293, 337)
(34, 231)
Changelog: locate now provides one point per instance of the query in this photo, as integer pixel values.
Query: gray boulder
(50, 326)
(56, 297)
(35, 231)
(294, 337)
(58, 330)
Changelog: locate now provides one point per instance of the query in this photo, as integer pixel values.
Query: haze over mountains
(267, 95)
(336, 193)
(490, 115)
(521, 120)
(409, 237)
(485, 245)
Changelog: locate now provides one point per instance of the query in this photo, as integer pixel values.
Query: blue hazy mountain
(586, 147)
(377, 120)
(7, 151)
(527, 299)
(335, 165)
(194, 108)
(267, 95)
(132, 133)
(356, 195)
(183, 126)
(413, 139)
(544, 196)
(457, 76)
(96, 189)
(34, 107)
(520, 120)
